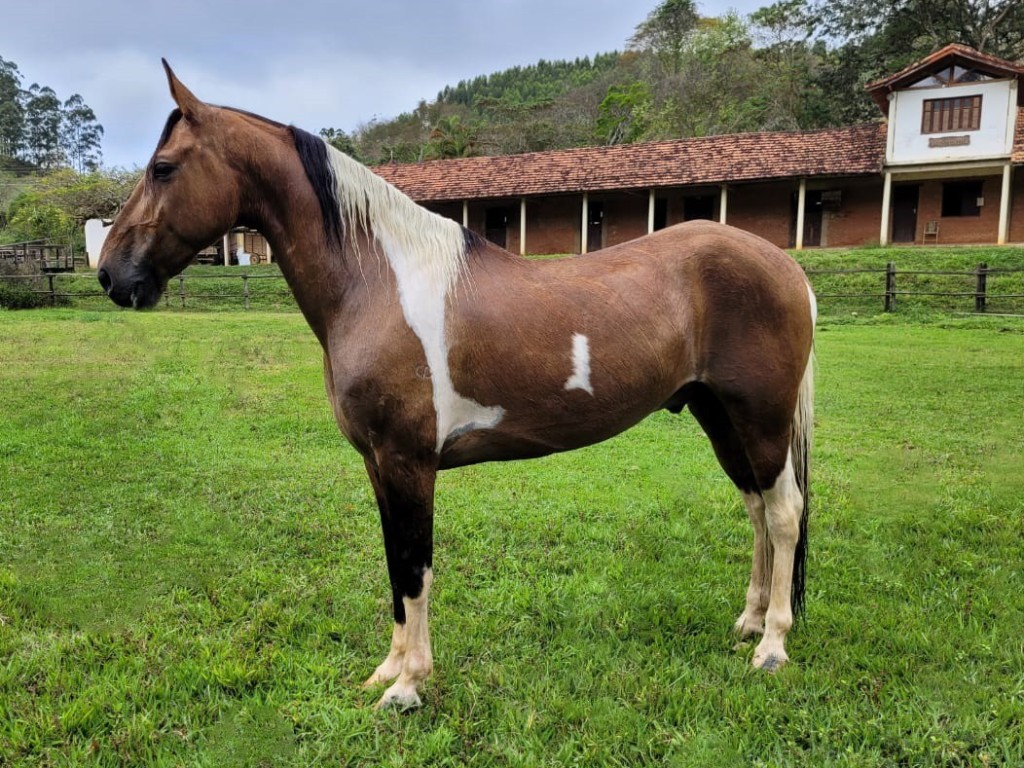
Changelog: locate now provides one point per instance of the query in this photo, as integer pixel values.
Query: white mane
(413, 238)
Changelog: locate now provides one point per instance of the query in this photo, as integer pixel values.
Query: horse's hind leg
(783, 508)
(761, 470)
(729, 450)
(751, 621)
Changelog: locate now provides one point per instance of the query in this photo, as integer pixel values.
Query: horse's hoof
(771, 662)
(400, 697)
(746, 626)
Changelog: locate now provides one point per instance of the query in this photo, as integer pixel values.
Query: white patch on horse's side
(427, 254)
(580, 378)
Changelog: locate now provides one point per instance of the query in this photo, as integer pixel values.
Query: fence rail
(184, 290)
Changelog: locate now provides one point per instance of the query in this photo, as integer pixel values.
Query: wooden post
(245, 289)
(181, 289)
(53, 296)
(650, 211)
(890, 287)
(981, 288)
(723, 204)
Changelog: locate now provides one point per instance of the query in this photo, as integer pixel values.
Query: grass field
(191, 571)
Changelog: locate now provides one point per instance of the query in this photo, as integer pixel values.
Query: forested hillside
(795, 64)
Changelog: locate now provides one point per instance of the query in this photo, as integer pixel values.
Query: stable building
(939, 167)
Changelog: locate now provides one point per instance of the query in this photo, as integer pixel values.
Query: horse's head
(189, 196)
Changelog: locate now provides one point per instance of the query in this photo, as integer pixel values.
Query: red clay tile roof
(853, 151)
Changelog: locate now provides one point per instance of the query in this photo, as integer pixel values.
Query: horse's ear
(191, 107)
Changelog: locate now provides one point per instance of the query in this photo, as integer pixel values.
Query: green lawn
(191, 571)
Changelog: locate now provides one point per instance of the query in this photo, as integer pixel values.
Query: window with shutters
(962, 113)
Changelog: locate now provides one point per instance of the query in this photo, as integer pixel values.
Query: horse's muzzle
(140, 289)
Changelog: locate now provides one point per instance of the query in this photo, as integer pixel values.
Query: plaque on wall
(949, 141)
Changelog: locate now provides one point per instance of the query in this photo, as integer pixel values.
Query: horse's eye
(163, 171)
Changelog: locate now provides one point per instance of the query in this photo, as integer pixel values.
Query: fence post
(245, 289)
(181, 289)
(981, 288)
(53, 295)
(890, 287)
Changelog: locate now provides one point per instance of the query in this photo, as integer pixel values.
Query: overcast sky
(314, 63)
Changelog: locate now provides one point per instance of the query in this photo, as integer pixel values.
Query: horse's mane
(351, 196)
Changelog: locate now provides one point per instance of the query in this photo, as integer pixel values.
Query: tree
(340, 140)
(80, 135)
(42, 127)
(623, 113)
(665, 30)
(452, 137)
(901, 31)
(12, 115)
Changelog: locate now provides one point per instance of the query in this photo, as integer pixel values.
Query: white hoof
(749, 624)
(770, 658)
(400, 696)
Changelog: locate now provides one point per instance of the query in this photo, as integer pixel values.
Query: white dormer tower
(951, 117)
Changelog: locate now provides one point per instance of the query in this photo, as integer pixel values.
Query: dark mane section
(165, 134)
(313, 155)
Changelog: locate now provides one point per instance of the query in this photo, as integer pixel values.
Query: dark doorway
(496, 226)
(702, 207)
(594, 226)
(660, 213)
(904, 213)
(812, 219)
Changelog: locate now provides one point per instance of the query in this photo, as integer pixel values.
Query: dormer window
(962, 113)
(951, 76)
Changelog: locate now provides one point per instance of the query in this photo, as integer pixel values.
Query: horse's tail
(800, 451)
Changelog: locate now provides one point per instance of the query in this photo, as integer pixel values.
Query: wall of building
(764, 209)
(625, 217)
(983, 228)
(858, 219)
(994, 138)
(1017, 207)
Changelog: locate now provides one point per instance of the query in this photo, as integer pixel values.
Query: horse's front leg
(405, 497)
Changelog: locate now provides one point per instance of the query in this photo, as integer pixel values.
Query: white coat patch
(426, 254)
(580, 378)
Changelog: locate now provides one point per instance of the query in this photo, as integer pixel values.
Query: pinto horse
(442, 350)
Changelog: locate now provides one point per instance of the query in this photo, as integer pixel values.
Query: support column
(226, 248)
(723, 203)
(522, 226)
(1004, 207)
(801, 199)
(465, 213)
(650, 213)
(883, 236)
(585, 218)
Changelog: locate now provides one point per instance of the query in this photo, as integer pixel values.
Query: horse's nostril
(105, 282)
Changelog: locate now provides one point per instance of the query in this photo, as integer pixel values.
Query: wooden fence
(186, 290)
(49, 256)
(976, 285)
